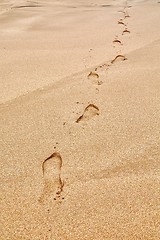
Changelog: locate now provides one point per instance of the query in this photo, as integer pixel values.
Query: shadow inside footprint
(106, 5)
(93, 75)
(118, 58)
(53, 185)
(27, 6)
(125, 31)
(89, 112)
(120, 22)
(117, 42)
(127, 16)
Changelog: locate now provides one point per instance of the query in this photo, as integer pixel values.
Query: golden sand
(80, 119)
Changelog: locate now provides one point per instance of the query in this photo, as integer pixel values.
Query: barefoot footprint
(127, 16)
(95, 78)
(53, 185)
(118, 58)
(125, 31)
(89, 112)
(121, 22)
(116, 41)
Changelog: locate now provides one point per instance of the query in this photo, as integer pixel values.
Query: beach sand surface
(80, 119)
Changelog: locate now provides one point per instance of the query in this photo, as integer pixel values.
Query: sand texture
(80, 119)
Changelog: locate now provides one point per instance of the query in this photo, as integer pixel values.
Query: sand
(80, 119)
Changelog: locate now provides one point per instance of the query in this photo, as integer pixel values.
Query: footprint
(53, 184)
(117, 42)
(95, 78)
(126, 31)
(121, 22)
(89, 112)
(93, 74)
(121, 11)
(118, 58)
(127, 16)
(27, 6)
(106, 5)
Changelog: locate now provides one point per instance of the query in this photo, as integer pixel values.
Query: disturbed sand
(80, 119)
